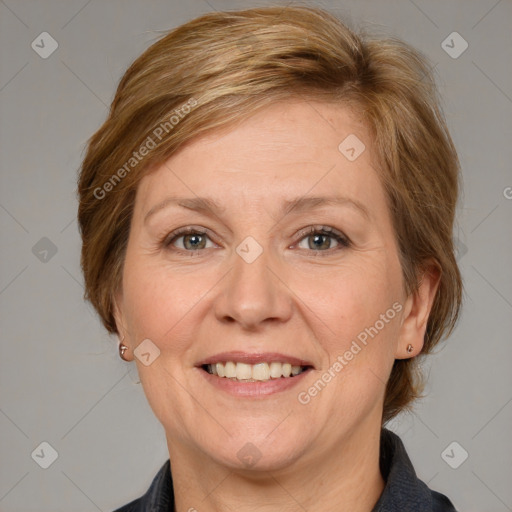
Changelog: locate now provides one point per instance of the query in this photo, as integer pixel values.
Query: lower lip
(253, 389)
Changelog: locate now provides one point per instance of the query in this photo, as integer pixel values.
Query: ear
(416, 312)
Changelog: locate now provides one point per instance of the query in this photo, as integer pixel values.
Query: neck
(346, 479)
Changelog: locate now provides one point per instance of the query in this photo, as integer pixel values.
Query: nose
(254, 293)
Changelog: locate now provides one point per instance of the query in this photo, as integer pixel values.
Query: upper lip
(254, 358)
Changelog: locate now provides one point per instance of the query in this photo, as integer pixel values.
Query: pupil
(194, 245)
(318, 238)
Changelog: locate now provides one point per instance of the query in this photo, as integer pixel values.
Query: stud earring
(409, 348)
(122, 349)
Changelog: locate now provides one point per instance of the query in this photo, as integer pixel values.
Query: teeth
(261, 371)
(220, 370)
(230, 369)
(254, 372)
(243, 371)
(275, 370)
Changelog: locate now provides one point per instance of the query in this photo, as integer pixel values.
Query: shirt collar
(403, 490)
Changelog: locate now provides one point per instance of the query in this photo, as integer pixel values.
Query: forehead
(285, 150)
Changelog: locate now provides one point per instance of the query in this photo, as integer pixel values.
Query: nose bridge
(253, 293)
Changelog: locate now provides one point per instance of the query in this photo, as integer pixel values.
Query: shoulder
(158, 498)
(441, 503)
(133, 506)
(403, 489)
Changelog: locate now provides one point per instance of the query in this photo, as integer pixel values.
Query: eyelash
(342, 240)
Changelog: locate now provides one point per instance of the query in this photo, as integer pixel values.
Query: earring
(122, 350)
(409, 348)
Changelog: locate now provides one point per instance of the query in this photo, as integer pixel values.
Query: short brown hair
(223, 75)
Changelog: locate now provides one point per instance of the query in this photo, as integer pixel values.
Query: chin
(252, 460)
(261, 450)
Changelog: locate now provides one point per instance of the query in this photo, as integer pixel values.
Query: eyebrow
(300, 204)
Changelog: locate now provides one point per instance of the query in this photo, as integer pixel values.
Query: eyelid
(341, 238)
(186, 230)
(315, 228)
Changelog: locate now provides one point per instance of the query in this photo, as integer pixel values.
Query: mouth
(254, 376)
(259, 372)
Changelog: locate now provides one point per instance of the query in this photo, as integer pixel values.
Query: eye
(320, 238)
(316, 238)
(188, 239)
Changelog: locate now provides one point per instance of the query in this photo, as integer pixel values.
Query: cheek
(159, 300)
(359, 308)
(162, 305)
(353, 296)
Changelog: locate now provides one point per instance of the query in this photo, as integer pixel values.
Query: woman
(267, 227)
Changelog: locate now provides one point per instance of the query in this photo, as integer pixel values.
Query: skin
(294, 299)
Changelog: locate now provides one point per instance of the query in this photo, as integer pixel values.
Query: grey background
(61, 380)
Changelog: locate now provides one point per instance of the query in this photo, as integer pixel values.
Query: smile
(259, 372)
(254, 375)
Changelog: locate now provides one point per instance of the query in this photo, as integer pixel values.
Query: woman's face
(266, 287)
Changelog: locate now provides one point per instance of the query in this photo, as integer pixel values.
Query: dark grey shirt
(403, 492)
